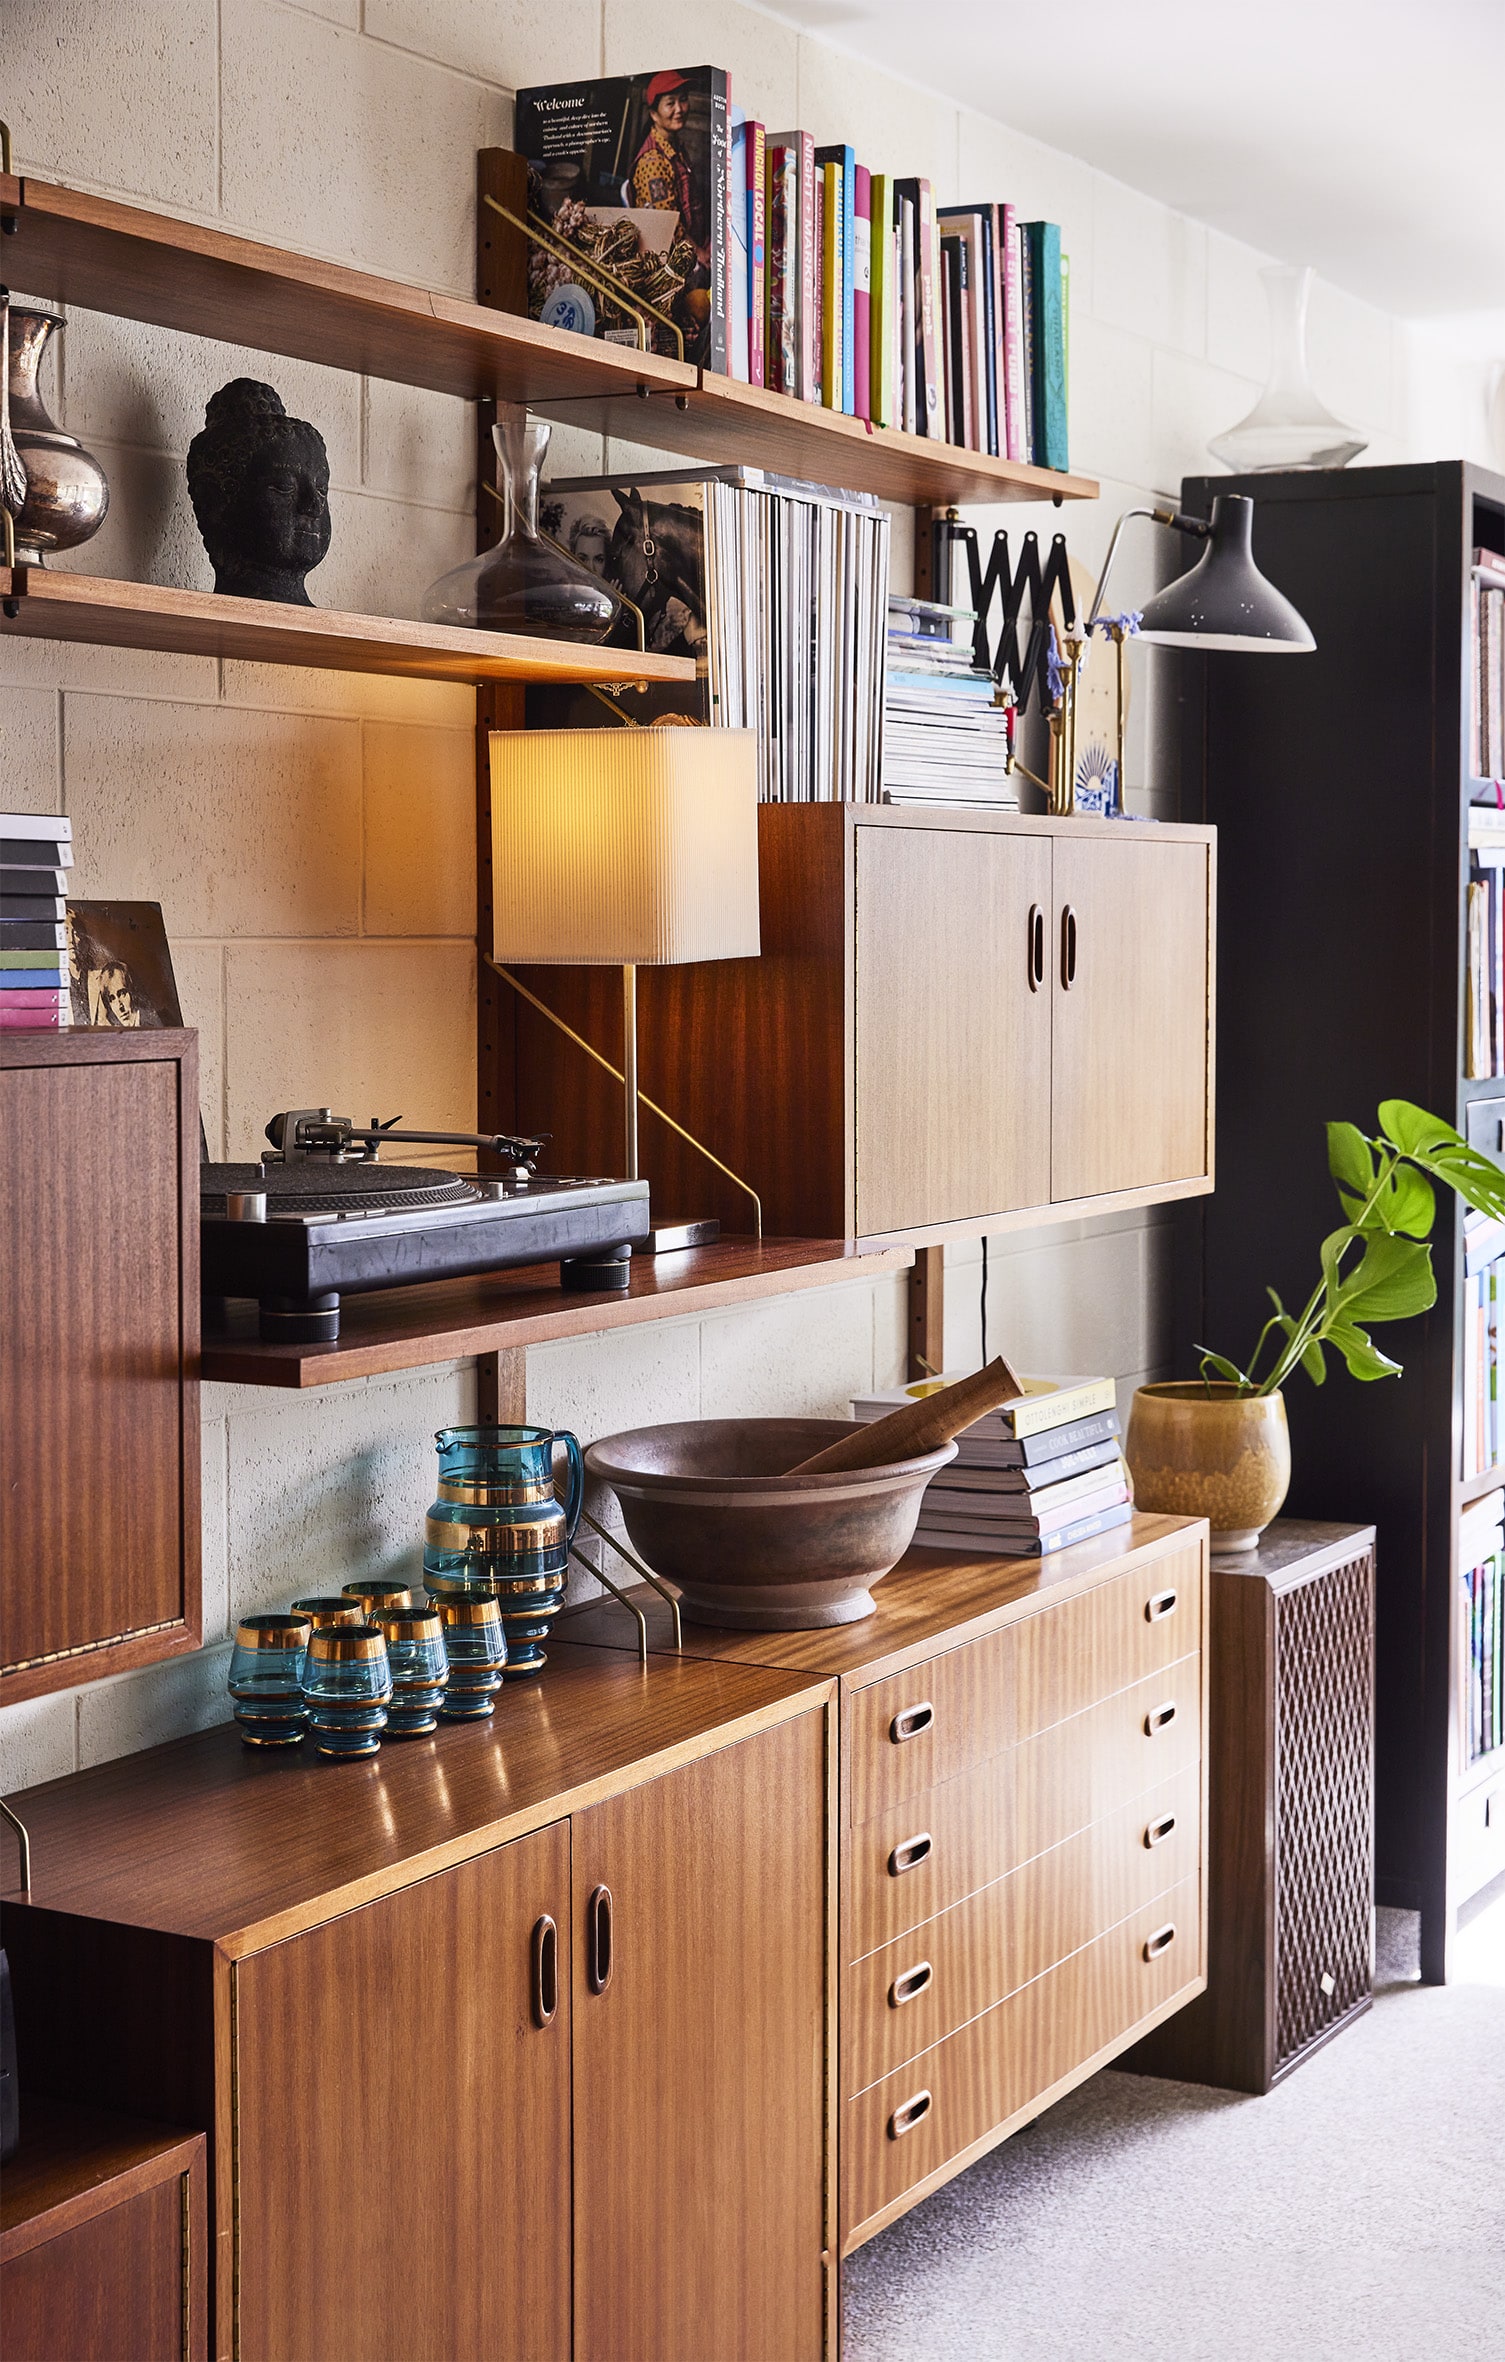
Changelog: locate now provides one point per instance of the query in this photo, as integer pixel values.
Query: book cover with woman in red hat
(629, 174)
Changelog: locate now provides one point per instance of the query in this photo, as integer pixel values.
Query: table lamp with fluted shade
(625, 848)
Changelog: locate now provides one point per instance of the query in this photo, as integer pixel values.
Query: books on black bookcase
(1481, 1561)
(1030, 1479)
(36, 853)
(776, 588)
(1487, 667)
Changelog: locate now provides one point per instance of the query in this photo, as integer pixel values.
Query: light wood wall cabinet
(521, 2052)
(960, 1022)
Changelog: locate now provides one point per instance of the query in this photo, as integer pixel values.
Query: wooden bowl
(707, 1503)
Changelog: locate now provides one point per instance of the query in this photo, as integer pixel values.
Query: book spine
(738, 355)
(928, 389)
(997, 428)
(819, 313)
(1058, 1410)
(1044, 239)
(833, 296)
(32, 935)
(809, 311)
(783, 360)
(944, 324)
(716, 351)
(885, 284)
(1013, 338)
(862, 293)
(1026, 325)
(909, 339)
(1065, 351)
(757, 253)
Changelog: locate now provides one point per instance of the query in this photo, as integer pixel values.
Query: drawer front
(933, 1850)
(912, 1993)
(917, 1729)
(917, 2120)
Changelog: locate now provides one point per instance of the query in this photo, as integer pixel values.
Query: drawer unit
(919, 1728)
(914, 1992)
(932, 1850)
(973, 2088)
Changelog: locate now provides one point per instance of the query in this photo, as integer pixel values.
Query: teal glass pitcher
(498, 1526)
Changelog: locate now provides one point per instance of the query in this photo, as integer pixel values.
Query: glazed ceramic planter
(1197, 1450)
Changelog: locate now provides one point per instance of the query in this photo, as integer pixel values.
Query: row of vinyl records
(1481, 1554)
(1487, 665)
(778, 590)
(658, 207)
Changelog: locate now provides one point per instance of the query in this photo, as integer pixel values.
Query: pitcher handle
(574, 1499)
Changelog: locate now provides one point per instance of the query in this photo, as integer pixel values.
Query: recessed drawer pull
(1160, 1941)
(911, 1722)
(911, 1984)
(1160, 1718)
(1161, 1603)
(910, 1854)
(1158, 1831)
(906, 2118)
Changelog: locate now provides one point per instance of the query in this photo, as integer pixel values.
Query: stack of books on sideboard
(1030, 1479)
(36, 852)
(763, 256)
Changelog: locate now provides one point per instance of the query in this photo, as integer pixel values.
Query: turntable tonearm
(319, 1216)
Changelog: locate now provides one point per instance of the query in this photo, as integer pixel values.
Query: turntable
(319, 1216)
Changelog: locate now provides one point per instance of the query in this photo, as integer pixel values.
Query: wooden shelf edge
(1042, 1217)
(405, 1329)
(91, 610)
(140, 264)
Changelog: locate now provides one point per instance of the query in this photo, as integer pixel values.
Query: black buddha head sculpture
(259, 483)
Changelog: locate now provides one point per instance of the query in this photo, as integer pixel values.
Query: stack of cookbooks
(945, 739)
(1027, 1480)
(36, 851)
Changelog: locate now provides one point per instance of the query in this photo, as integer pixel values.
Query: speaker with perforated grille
(1291, 1810)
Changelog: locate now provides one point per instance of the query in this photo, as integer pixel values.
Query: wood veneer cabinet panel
(999, 2070)
(1131, 1104)
(699, 2069)
(985, 1948)
(402, 2126)
(953, 1046)
(99, 1512)
(109, 2289)
(1001, 1813)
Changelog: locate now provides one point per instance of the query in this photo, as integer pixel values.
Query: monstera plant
(1218, 1447)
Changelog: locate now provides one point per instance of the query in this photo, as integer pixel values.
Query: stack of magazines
(945, 740)
(1030, 1479)
(776, 588)
(36, 852)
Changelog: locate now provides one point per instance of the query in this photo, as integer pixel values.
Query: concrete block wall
(310, 836)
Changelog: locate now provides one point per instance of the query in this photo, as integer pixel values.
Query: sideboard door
(402, 2125)
(699, 2061)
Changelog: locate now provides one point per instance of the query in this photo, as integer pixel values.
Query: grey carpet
(1356, 2214)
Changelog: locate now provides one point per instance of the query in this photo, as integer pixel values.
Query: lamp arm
(1179, 522)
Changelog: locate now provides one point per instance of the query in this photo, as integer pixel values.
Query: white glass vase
(1288, 426)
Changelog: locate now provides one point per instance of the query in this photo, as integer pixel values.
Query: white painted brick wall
(310, 835)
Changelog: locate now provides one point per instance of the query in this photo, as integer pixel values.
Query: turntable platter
(328, 1187)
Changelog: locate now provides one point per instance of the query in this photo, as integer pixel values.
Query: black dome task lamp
(1223, 602)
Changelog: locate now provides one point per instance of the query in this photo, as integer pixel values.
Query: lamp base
(673, 1237)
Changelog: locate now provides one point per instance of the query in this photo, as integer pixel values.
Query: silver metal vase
(66, 491)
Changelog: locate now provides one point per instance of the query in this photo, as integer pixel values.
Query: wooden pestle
(921, 1426)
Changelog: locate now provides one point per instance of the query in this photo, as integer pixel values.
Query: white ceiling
(1366, 137)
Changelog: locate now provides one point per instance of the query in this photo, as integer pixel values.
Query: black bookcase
(1339, 783)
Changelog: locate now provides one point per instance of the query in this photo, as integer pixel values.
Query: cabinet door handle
(906, 2118)
(598, 1939)
(910, 1854)
(911, 1984)
(1162, 1603)
(1160, 1941)
(910, 1723)
(1158, 1831)
(1036, 947)
(1068, 947)
(545, 1971)
(1159, 1718)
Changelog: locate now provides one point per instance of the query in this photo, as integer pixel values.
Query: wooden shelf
(142, 265)
(408, 1328)
(38, 604)
(1473, 1488)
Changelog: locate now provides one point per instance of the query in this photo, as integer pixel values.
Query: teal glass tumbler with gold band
(347, 1687)
(420, 1669)
(374, 1593)
(334, 1608)
(266, 1679)
(476, 1647)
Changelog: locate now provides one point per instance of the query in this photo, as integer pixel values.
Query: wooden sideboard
(603, 2029)
(949, 1030)
(1022, 1849)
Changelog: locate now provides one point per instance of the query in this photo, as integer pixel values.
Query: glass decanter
(526, 583)
(1288, 426)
